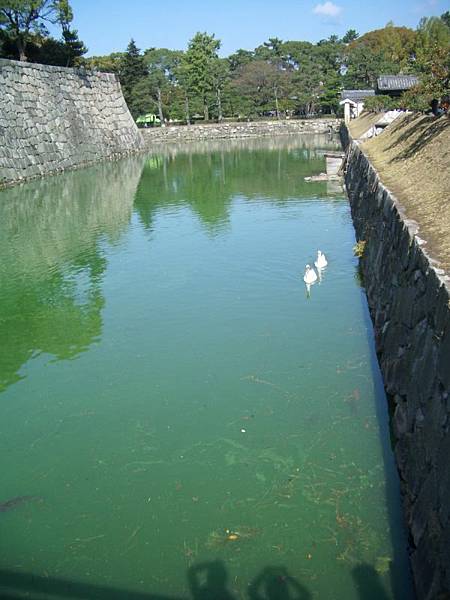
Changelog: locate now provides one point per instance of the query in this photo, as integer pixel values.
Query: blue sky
(107, 25)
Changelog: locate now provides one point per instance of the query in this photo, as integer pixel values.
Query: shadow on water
(25, 585)
(402, 586)
(275, 583)
(207, 581)
(368, 583)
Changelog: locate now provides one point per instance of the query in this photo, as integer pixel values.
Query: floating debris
(221, 537)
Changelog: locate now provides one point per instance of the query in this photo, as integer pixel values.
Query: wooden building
(395, 85)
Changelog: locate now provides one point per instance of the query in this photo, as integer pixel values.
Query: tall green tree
(199, 62)
(363, 66)
(432, 63)
(391, 50)
(239, 58)
(74, 47)
(350, 36)
(433, 31)
(132, 71)
(182, 75)
(19, 19)
(446, 18)
(264, 85)
(161, 66)
(220, 70)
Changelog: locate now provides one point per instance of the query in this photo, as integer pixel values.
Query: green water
(189, 421)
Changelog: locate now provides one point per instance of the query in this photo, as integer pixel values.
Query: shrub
(416, 99)
(359, 247)
(380, 103)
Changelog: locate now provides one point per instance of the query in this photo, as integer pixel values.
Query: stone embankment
(238, 130)
(56, 118)
(409, 302)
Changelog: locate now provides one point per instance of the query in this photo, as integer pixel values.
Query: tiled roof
(356, 95)
(396, 82)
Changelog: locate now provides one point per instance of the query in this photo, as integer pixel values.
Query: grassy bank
(412, 157)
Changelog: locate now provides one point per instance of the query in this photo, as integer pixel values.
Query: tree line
(277, 78)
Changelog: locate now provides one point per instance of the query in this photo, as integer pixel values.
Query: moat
(179, 414)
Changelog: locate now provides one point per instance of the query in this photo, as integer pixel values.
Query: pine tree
(73, 46)
(132, 70)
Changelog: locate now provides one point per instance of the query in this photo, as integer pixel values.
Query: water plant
(359, 248)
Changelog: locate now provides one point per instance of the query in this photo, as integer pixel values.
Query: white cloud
(327, 9)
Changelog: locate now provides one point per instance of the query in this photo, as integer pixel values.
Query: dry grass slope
(412, 157)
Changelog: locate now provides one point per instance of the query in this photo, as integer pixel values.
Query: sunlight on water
(180, 419)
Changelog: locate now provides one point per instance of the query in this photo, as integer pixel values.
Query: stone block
(425, 560)
(444, 358)
(424, 506)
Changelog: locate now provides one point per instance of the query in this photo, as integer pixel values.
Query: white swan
(321, 261)
(310, 276)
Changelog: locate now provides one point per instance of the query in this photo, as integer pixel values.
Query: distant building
(353, 102)
(395, 85)
(387, 85)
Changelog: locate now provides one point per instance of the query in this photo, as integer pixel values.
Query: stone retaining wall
(55, 118)
(409, 303)
(238, 130)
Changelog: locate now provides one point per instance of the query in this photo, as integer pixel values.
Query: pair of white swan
(320, 263)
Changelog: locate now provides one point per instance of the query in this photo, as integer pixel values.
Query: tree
(182, 74)
(220, 76)
(198, 67)
(446, 18)
(263, 85)
(239, 58)
(432, 63)
(270, 50)
(20, 18)
(391, 50)
(132, 70)
(395, 44)
(161, 65)
(108, 64)
(433, 31)
(350, 36)
(297, 54)
(74, 47)
(364, 66)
